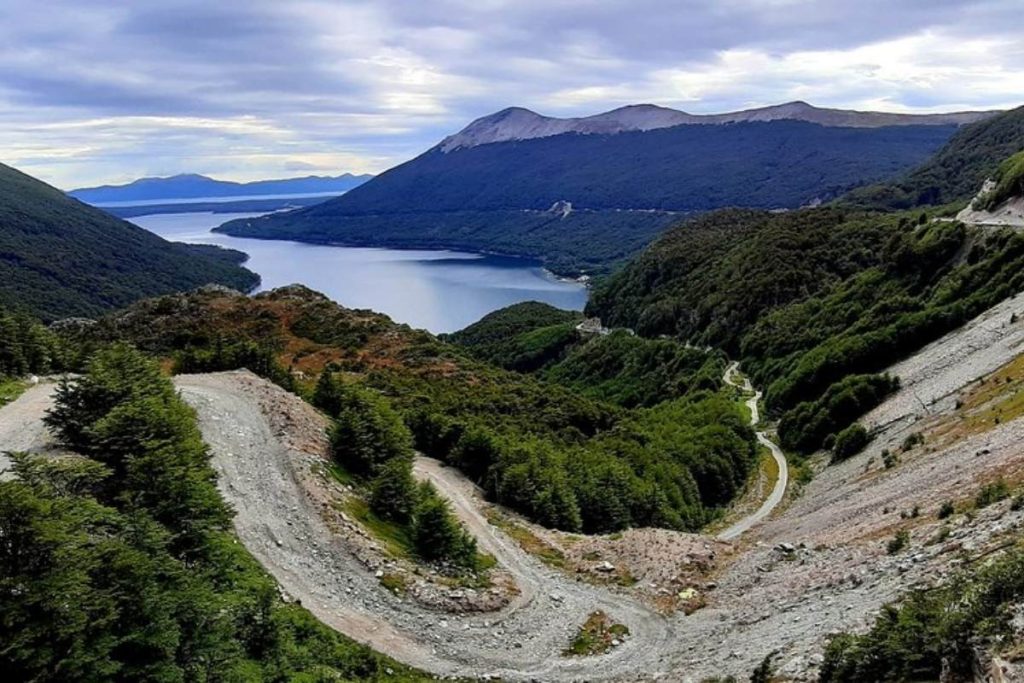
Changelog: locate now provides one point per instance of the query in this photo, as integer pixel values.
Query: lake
(440, 291)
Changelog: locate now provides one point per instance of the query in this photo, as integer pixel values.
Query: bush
(990, 493)
(850, 442)
(900, 541)
(933, 630)
(946, 510)
(368, 433)
(889, 459)
(437, 535)
(914, 439)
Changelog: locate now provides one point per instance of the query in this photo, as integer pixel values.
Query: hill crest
(518, 123)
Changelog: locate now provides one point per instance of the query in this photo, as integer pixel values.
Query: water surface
(441, 291)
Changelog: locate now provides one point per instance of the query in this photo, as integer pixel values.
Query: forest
(954, 174)
(568, 458)
(821, 296)
(624, 188)
(61, 258)
(136, 537)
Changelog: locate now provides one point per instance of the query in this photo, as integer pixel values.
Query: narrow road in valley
(779, 490)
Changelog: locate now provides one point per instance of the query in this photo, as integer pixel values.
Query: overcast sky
(101, 91)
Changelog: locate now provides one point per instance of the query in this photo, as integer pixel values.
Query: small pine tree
(849, 442)
(393, 491)
(437, 535)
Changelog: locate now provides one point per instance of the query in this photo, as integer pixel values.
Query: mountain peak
(516, 123)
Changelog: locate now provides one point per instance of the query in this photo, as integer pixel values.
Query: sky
(98, 92)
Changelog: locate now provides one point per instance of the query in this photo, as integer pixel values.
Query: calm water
(441, 291)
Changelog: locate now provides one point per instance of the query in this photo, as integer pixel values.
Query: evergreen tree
(368, 433)
(437, 535)
(393, 491)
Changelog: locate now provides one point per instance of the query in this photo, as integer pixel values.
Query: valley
(343, 388)
(816, 566)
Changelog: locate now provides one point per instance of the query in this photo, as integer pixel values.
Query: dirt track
(267, 483)
(779, 489)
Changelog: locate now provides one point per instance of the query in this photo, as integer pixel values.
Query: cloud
(92, 91)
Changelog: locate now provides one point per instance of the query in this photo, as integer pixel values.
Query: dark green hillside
(59, 257)
(809, 299)
(956, 172)
(620, 367)
(554, 453)
(710, 278)
(624, 188)
(121, 565)
(584, 241)
(523, 337)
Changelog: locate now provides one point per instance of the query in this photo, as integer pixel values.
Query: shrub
(991, 493)
(933, 630)
(900, 541)
(915, 439)
(437, 536)
(946, 510)
(849, 442)
(889, 459)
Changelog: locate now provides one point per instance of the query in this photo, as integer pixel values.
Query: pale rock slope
(517, 123)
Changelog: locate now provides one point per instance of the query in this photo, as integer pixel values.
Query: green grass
(10, 389)
(595, 636)
(528, 541)
(395, 538)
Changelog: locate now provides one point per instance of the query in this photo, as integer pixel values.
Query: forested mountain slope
(59, 257)
(813, 302)
(581, 202)
(956, 172)
(562, 457)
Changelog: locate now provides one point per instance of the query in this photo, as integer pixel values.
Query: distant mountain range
(582, 194)
(195, 186)
(60, 257)
(516, 123)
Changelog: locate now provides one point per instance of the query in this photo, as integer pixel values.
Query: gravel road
(268, 484)
(779, 490)
(21, 426)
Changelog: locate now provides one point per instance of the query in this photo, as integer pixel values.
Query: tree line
(120, 564)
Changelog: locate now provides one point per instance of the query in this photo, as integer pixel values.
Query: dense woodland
(137, 539)
(872, 290)
(559, 455)
(60, 258)
(955, 173)
(625, 188)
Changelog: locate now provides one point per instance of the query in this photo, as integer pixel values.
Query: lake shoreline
(437, 289)
(569, 276)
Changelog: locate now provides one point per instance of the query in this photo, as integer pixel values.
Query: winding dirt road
(779, 490)
(267, 480)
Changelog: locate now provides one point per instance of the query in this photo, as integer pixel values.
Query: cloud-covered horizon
(92, 92)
